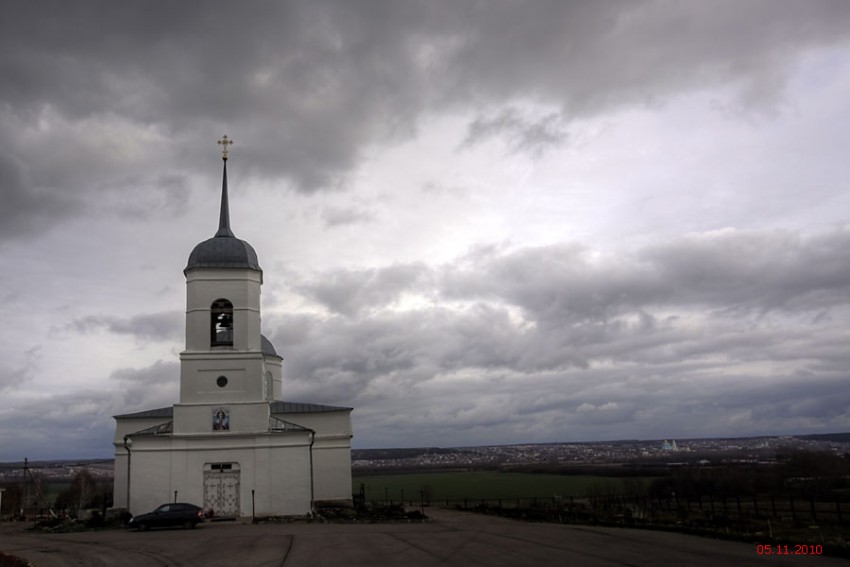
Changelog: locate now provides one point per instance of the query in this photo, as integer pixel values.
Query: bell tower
(229, 372)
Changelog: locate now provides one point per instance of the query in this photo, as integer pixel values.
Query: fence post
(738, 503)
(793, 511)
(814, 513)
(773, 505)
(755, 504)
(838, 509)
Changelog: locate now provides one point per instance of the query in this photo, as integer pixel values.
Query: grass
(477, 485)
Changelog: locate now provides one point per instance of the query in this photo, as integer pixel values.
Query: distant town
(543, 456)
(667, 452)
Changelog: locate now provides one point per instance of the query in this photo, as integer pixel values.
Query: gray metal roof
(223, 252)
(161, 429)
(300, 407)
(159, 412)
(267, 347)
(276, 407)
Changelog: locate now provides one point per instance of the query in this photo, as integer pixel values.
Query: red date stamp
(795, 549)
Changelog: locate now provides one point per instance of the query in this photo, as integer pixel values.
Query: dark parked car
(176, 514)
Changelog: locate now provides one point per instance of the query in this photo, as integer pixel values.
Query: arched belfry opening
(221, 323)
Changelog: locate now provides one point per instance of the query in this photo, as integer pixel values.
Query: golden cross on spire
(224, 142)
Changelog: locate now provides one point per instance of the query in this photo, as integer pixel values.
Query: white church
(231, 444)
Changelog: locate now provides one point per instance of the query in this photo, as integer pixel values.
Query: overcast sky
(479, 222)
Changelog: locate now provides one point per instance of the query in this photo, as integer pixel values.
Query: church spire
(224, 215)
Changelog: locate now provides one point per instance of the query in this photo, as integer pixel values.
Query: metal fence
(740, 507)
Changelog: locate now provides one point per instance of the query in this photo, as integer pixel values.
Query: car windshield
(163, 508)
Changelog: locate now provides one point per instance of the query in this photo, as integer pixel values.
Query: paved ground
(452, 538)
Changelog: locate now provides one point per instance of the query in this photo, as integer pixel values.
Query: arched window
(221, 323)
(268, 384)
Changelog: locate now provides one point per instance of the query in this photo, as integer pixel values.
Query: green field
(479, 485)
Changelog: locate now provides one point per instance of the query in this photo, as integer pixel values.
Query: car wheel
(187, 525)
(143, 527)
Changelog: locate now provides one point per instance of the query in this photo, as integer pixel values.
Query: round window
(221, 381)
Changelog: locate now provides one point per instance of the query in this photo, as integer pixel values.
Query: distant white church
(231, 444)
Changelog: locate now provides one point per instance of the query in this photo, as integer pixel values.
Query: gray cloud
(758, 270)
(533, 135)
(12, 376)
(348, 292)
(144, 388)
(46, 427)
(508, 351)
(164, 326)
(308, 85)
(109, 112)
(601, 345)
(339, 216)
(27, 209)
(734, 270)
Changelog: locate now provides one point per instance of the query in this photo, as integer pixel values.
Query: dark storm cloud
(159, 372)
(308, 85)
(350, 291)
(157, 195)
(165, 326)
(521, 134)
(47, 426)
(757, 270)
(144, 388)
(719, 337)
(704, 328)
(12, 376)
(733, 271)
(339, 216)
(27, 208)
(46, 429)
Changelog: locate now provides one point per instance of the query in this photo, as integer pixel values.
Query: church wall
(277, 475)
(331, 451)
(125, 426)
(275, 466)
(119, 481)
(332, 464)
(199, 375)
(289, 479)
(243, 417)
(150, 478)
(326, 423)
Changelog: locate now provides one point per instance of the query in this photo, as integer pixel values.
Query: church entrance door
(221, 489)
